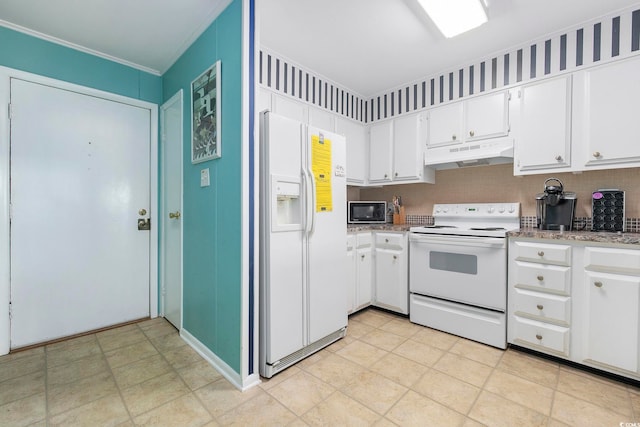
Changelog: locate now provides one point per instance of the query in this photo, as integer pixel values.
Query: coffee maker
(555, 207)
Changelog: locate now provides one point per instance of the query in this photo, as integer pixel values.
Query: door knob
(174, 215)
(142, 212)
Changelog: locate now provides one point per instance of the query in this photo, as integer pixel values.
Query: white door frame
(5, 261)
(177, 98)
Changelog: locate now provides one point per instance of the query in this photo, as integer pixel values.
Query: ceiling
(369, 46)
(147, 34)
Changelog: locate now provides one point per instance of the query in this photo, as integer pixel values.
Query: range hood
(477, 153)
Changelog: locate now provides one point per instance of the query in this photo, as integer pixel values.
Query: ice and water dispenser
(287, 206)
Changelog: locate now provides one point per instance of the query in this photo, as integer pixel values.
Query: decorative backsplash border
(632, 225)
(611, 37)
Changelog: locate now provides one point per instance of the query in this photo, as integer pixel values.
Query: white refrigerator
(303, 232)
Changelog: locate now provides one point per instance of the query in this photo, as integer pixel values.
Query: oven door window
(456, 263)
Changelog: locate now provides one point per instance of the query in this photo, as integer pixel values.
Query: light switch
(204, 178)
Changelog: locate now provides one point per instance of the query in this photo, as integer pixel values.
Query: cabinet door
(544, 139)
(445, 125)
(610, 116)
(364, 273)
(322, 119)
(356, 136)
(407, 147)
(612, 320)
(487, 116)
(391, 280)
(380, 143)
(352, 274)
(290, 108)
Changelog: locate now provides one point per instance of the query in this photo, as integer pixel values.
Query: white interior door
(80, 181)
(171, 124)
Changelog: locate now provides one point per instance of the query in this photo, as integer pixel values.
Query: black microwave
(367, 212)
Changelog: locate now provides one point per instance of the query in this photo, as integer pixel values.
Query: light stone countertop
(354, 228)
(578, 236)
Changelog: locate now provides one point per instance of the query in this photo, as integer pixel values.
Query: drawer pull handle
(598, 284)
(540, 278)
(362, 256)
(540, 253)
(472, 133)
(596, 154)
(395, 257)
(559, 158)
(453, 137)
(540, 306)
(539, 337)
(386, 240)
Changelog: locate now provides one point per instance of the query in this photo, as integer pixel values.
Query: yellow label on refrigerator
(321, 169)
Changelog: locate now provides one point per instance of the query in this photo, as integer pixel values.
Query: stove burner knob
(490, 209)
(512, 209)
(501, 209)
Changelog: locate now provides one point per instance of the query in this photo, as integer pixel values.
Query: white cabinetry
(544, 131)
(396, 151)
(540, 296)
(482, 117)
(607, 115)
(391, 267)
(577, 300)
(364, 270)
(611, 314)
(352, 275)
(380, 152)
(356, 136)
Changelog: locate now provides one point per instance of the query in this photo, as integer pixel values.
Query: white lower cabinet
(391, 267)
(378, 275)
(590, 315)
(360, 257)
(611, 289)
(540, 296)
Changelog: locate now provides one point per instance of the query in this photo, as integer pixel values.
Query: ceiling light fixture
(455, 17)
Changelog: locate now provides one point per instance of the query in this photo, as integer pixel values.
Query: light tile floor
(387, 371)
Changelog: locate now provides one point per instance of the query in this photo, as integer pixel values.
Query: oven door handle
(484, 242)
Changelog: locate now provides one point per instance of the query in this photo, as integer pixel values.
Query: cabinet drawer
(351, 242)
(390, 240)
(544, 307)
(541, 336)
(363, 240)
(541, 253)
(625, 261)
(543, 278)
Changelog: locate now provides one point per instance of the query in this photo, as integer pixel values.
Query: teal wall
(26, 53)
(213, 215)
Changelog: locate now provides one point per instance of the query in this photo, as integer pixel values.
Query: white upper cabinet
(478, 118)
(487, 116)
(409, 133)
(356, 135)
(607, 115)
(380, 152)
(396, 151)
(543, 142)
(322, 119)
(290, 108)
(446, 125)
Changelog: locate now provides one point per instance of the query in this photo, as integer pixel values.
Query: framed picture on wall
(205, 115)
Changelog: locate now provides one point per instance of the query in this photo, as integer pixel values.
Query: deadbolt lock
(144, 224)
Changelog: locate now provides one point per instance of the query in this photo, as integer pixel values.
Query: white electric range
(458, 270)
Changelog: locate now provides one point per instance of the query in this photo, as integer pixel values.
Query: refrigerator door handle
(312, 213)
(310, 200)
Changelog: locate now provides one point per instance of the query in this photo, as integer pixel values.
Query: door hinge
(10, 311)
(9, 111)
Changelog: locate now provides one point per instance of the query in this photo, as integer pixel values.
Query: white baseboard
(221, 366)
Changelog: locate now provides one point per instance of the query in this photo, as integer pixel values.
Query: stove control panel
(477, 210)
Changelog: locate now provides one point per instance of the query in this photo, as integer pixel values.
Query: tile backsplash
(487, 184)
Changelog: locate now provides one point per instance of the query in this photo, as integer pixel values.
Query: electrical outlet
(204, 178)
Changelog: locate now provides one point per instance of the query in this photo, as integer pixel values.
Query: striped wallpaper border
(611, 37)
